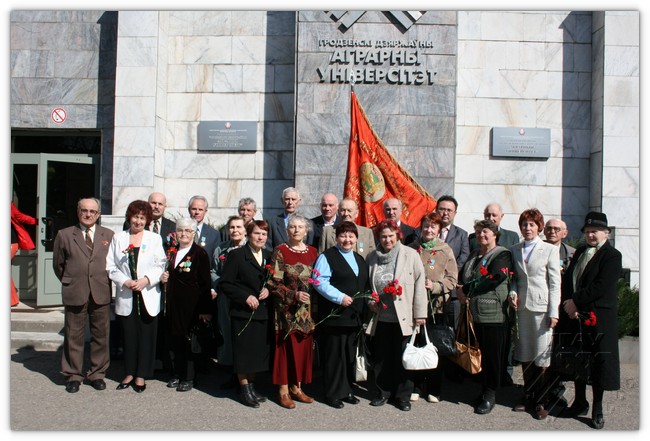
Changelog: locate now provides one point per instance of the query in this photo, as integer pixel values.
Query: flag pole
(351, 80)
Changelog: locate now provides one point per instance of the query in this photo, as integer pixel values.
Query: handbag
(468, 356)
(570, 360)
(420, 358)
(443, 335)
(204, 339)
(361, 361)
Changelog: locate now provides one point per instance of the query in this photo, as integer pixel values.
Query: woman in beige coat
(396, 274)
(441, 277)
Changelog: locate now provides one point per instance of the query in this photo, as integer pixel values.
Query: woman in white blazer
(535, 295)
(135, 263)
(394, 266)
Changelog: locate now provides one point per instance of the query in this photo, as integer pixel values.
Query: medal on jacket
(202, 241)
(360, 247)
(431, 262)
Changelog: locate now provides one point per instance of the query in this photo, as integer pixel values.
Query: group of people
(276, 289)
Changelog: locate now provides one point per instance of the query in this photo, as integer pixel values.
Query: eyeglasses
(556, 229)
(87, 211)
(187, 231)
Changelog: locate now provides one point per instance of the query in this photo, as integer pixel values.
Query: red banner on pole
(374, 175)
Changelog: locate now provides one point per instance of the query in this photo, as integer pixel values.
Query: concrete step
(40, 341)
(40, 328)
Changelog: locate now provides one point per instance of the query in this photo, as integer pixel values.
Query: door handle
(47, 230)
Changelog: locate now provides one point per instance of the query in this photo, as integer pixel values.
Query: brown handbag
(468, 355)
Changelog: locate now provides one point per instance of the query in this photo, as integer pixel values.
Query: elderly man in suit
(493, 212)
(79, 260)
(206, 236)
(329, 206)
(452, 235)
(393, 210)
(348, 211)
(554, 231)
(278, 225)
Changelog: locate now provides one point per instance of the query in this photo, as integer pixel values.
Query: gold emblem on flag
(372, 182)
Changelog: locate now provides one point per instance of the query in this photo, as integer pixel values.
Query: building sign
(521, 142)
(375, 61)
(227, 135)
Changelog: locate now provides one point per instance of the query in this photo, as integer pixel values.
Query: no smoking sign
(59, 115)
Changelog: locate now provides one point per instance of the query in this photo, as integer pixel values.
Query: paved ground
(38, 402)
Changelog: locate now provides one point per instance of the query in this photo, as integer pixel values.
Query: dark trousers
(492, 342)
(391, 378)
(140, 331)
(337, 352)
(183, 358)
(74, 341)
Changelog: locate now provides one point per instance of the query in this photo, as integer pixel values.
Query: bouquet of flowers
(129, 252)
(393, 289)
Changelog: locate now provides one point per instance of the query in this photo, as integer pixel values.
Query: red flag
(374, 175)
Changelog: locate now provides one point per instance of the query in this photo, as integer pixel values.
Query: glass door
(53, 184)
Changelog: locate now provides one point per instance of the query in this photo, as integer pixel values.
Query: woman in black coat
(244, 277)
(187, 300)
(589, 286)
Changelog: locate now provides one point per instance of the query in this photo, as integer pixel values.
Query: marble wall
(177, 68)
(557, 70)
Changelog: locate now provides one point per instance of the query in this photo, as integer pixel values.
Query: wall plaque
(227, 135)
(521, 142)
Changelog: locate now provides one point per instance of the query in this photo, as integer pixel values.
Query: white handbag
(416, 359)
(360, 365)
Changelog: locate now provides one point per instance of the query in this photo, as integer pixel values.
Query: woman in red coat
(20, 239)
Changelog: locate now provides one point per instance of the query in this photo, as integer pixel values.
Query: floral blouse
(439, 267)
(293, 271)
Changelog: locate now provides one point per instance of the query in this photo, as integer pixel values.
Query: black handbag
(442, 335)
(205, 339)
(572, 359)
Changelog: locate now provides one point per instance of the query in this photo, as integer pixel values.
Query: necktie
(443, 234)
(89, 241)
(155, 227)
(196, 236)
(582, 264)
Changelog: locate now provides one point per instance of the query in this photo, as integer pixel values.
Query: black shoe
(185, 386)
(380, 401)
(598, 422)
(98, 384)
(351, 399)
(577, 408)
(335, 403)
(404, 405)
(123, 386)
(137, 388)
(72, 386)
(173, 383)
(246, 397)
(485, 406)
(259, 398)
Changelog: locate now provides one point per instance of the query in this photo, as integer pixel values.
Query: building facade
(134, 87)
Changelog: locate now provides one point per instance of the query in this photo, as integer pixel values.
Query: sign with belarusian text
(521, 142)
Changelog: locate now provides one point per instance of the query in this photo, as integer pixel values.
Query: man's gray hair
(99, 205)
(197, 197)
(290, 190)
(247, 201)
